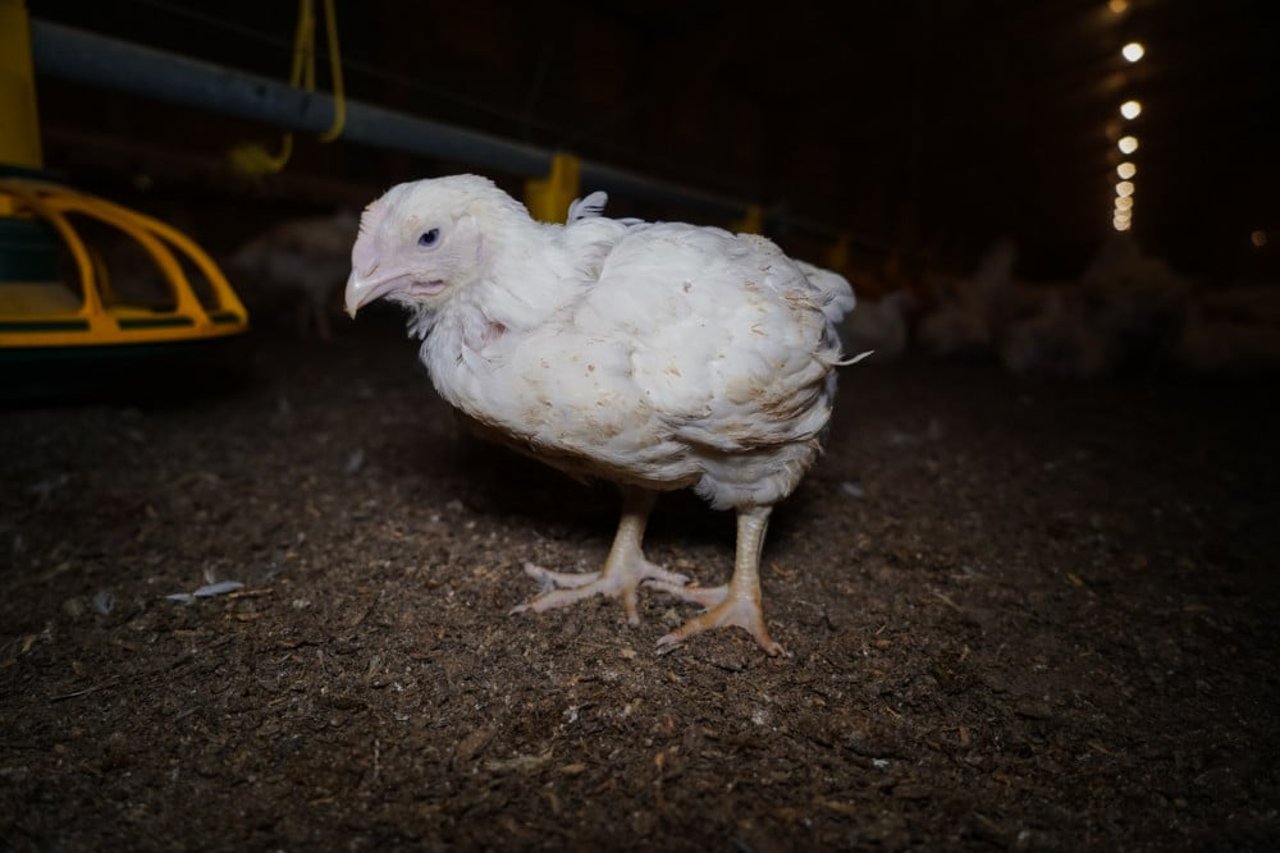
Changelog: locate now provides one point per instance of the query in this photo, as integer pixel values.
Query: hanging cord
(335, 75)
(253, 158)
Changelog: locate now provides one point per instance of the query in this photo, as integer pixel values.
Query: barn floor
(1019, 615)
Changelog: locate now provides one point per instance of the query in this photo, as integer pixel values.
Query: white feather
(660, 355)
(588, 206)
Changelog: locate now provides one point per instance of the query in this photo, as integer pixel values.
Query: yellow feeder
(37, 310)
(44, 307)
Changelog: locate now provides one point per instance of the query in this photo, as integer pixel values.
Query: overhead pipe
(78, 56)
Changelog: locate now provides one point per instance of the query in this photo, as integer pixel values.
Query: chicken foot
(624, 570)
(736, 603)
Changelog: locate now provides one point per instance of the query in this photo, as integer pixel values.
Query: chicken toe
(738, 608)
(624, 570)
(705, 596)
(738, 603)
(621, 578)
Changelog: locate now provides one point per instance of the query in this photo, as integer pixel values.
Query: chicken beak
(361, 291)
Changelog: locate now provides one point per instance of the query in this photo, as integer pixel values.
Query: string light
(1258, 238)
(1133, 51)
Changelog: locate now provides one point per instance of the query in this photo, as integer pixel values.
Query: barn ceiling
(932, 127)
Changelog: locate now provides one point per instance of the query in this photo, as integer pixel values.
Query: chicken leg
(738, 602)
(624, 570)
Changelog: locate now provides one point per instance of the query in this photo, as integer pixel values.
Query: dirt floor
(1019, 615)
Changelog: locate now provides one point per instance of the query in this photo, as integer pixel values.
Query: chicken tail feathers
(835, 294)
(853, 359)
(588, 207)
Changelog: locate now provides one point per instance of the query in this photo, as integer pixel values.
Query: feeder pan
(47, 302)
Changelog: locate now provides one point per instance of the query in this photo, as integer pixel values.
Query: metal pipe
(78, 56)
(83, 57)
(597, 175)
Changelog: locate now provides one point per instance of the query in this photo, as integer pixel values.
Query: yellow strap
(335, 75)
(253, 159)
(304, 38)
(303, 74)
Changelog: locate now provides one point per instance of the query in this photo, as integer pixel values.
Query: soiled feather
(207, 591)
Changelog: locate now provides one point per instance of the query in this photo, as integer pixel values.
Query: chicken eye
(428, 239)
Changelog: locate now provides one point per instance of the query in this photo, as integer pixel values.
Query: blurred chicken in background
(1134, 301)
(1125, 312)
(299, 266)
(1236, 329)
(968, 313)
(1056, 338)
(1128, 311)
(882, 326)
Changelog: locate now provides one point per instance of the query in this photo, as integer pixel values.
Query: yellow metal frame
(94, 323)
(838, 255)
(548, 198)
(19, 132)
(752, 221)
(252, 158)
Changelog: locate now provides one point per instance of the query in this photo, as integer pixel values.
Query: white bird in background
(1234, 329)
(882, 326)
(970, 313)
(658, 356)
(1056, 339)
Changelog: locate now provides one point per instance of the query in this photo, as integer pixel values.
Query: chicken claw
(624, 570)
(738, 602)
(620, 578)
(725, 608)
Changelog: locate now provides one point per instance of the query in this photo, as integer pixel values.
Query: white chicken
(969, 313)
(658, 356)
(1234, 329)
(882, 326)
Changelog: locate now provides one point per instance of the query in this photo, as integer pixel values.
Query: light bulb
(1131, 109)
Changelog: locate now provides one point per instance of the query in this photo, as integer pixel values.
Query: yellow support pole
(548, 198)
(837, 256)
(752, 223)
(19, 127)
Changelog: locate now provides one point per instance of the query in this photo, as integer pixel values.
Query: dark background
(1024, 612)
(929, 128)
